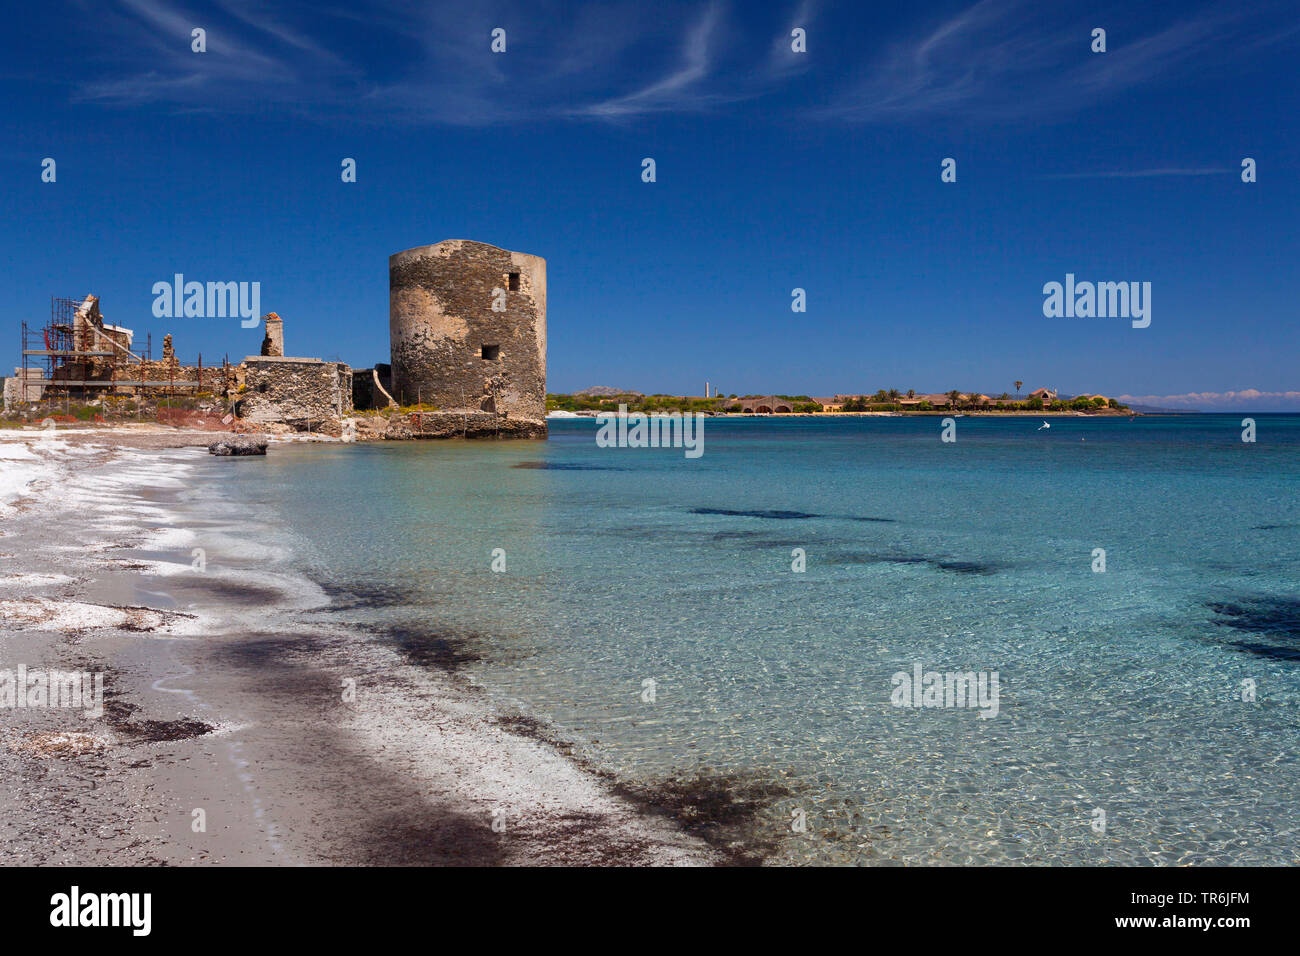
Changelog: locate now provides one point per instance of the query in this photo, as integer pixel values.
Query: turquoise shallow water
(1120, 691)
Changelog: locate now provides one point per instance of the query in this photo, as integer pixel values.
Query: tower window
(514, 282)
(491, 353)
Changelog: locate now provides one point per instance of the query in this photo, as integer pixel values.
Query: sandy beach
(226, 740)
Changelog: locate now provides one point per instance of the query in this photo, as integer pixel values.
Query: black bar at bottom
(940, 907)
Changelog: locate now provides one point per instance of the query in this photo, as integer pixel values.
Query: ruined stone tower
(273, 342)
(468, 328)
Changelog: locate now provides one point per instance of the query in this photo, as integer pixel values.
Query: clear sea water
(1120, 691)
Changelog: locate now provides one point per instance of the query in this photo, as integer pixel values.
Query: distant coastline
(892, 402)
(940, 413)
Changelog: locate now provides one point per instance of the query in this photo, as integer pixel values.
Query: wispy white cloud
(275, 28)
(238, 68)
(782, 60)
(1246, 398)
(1013, 59)
(683, 85)
(430, 62)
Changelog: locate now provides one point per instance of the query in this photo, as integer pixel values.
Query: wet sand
(226, 737)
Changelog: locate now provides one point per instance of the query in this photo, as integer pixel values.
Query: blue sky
(775, 170)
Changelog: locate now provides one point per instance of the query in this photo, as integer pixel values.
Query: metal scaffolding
(76, 351)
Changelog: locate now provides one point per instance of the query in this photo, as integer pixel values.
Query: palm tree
(954, 397)
(895, 394)
(911, 393)
(1018, 384)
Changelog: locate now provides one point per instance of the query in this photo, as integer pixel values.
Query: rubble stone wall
(303, 393)
(212, 379)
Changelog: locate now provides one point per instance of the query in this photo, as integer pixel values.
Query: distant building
(936, 399)
(762, 405)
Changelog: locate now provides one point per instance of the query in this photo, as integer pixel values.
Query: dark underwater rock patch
(563, 466)
(756, 541)
(359, 596)
(965, 567)
(1275, 619)
(776, 515)
(941, 564)
(781, 515)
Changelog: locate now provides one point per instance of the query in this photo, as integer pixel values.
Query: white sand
(19, 467)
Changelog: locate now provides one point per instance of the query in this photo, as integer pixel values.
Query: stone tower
(273, 342)
(468, 328)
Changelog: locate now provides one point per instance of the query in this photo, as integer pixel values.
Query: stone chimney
(273, 344)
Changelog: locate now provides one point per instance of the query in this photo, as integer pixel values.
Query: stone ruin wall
(441, 319)
(15, 394)
(303, 393)
(212, 379)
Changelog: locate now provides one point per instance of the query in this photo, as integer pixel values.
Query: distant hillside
(1150, 409)
(605, 391)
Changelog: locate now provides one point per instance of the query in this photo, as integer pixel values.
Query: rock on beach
(239, 445)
